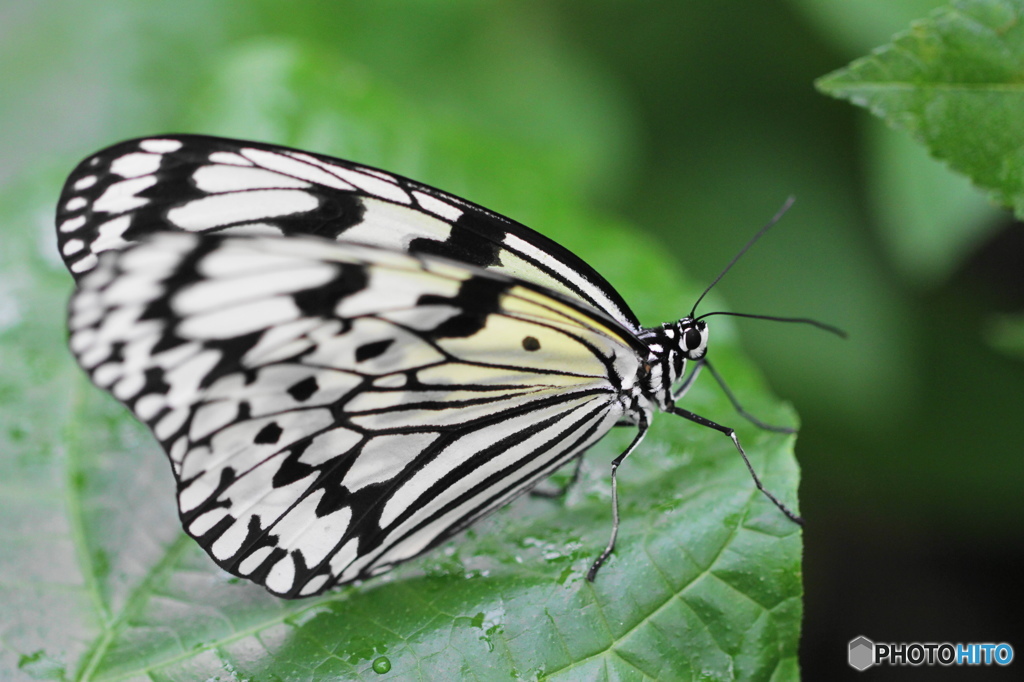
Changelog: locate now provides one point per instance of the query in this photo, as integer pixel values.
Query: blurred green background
(690, 122)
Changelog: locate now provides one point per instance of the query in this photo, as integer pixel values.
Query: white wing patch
(217, 179)
(72, 224)
(121, 196)
(219, 210)
(134, 165)
(84, 182)
(160, 146)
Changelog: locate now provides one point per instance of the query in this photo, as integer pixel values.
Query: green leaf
(953, 81)
(99, 583)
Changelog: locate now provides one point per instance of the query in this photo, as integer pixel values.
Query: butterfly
(344, 366)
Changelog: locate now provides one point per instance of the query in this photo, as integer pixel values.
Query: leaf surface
(953, 81)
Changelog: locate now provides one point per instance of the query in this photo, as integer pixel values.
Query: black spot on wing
(368, 351)
(304, 389)
(531, 343)
(269, 434)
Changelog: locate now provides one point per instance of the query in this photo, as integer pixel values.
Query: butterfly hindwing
(332, 409)
(206, 184)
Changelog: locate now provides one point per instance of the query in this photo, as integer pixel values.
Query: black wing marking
(208, 184)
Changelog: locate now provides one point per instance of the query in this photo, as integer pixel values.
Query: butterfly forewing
(204, 184)
(332, 409)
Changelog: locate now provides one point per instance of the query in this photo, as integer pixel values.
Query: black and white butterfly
(344, 366)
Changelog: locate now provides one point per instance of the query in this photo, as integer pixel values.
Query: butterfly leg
(703, 421)
(641, 432)
(735, 403)
(562, 489)
(688, 382)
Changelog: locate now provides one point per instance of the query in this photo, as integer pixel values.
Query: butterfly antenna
(760, 233)
(799, 320)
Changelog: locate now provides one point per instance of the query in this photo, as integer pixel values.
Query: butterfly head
(671, 345)
(692, 338)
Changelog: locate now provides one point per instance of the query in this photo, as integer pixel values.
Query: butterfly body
(344, 367)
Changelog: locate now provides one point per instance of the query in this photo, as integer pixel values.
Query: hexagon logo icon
(862, 653)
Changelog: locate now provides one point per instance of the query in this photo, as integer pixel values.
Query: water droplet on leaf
(381, 665)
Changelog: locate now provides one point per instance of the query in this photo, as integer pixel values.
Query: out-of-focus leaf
(953, 81)
(74, 73)
(492, 67)
(928, 217)
(1006, 333)
(276, 90)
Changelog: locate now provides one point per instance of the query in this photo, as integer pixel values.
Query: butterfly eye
(693, 338)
